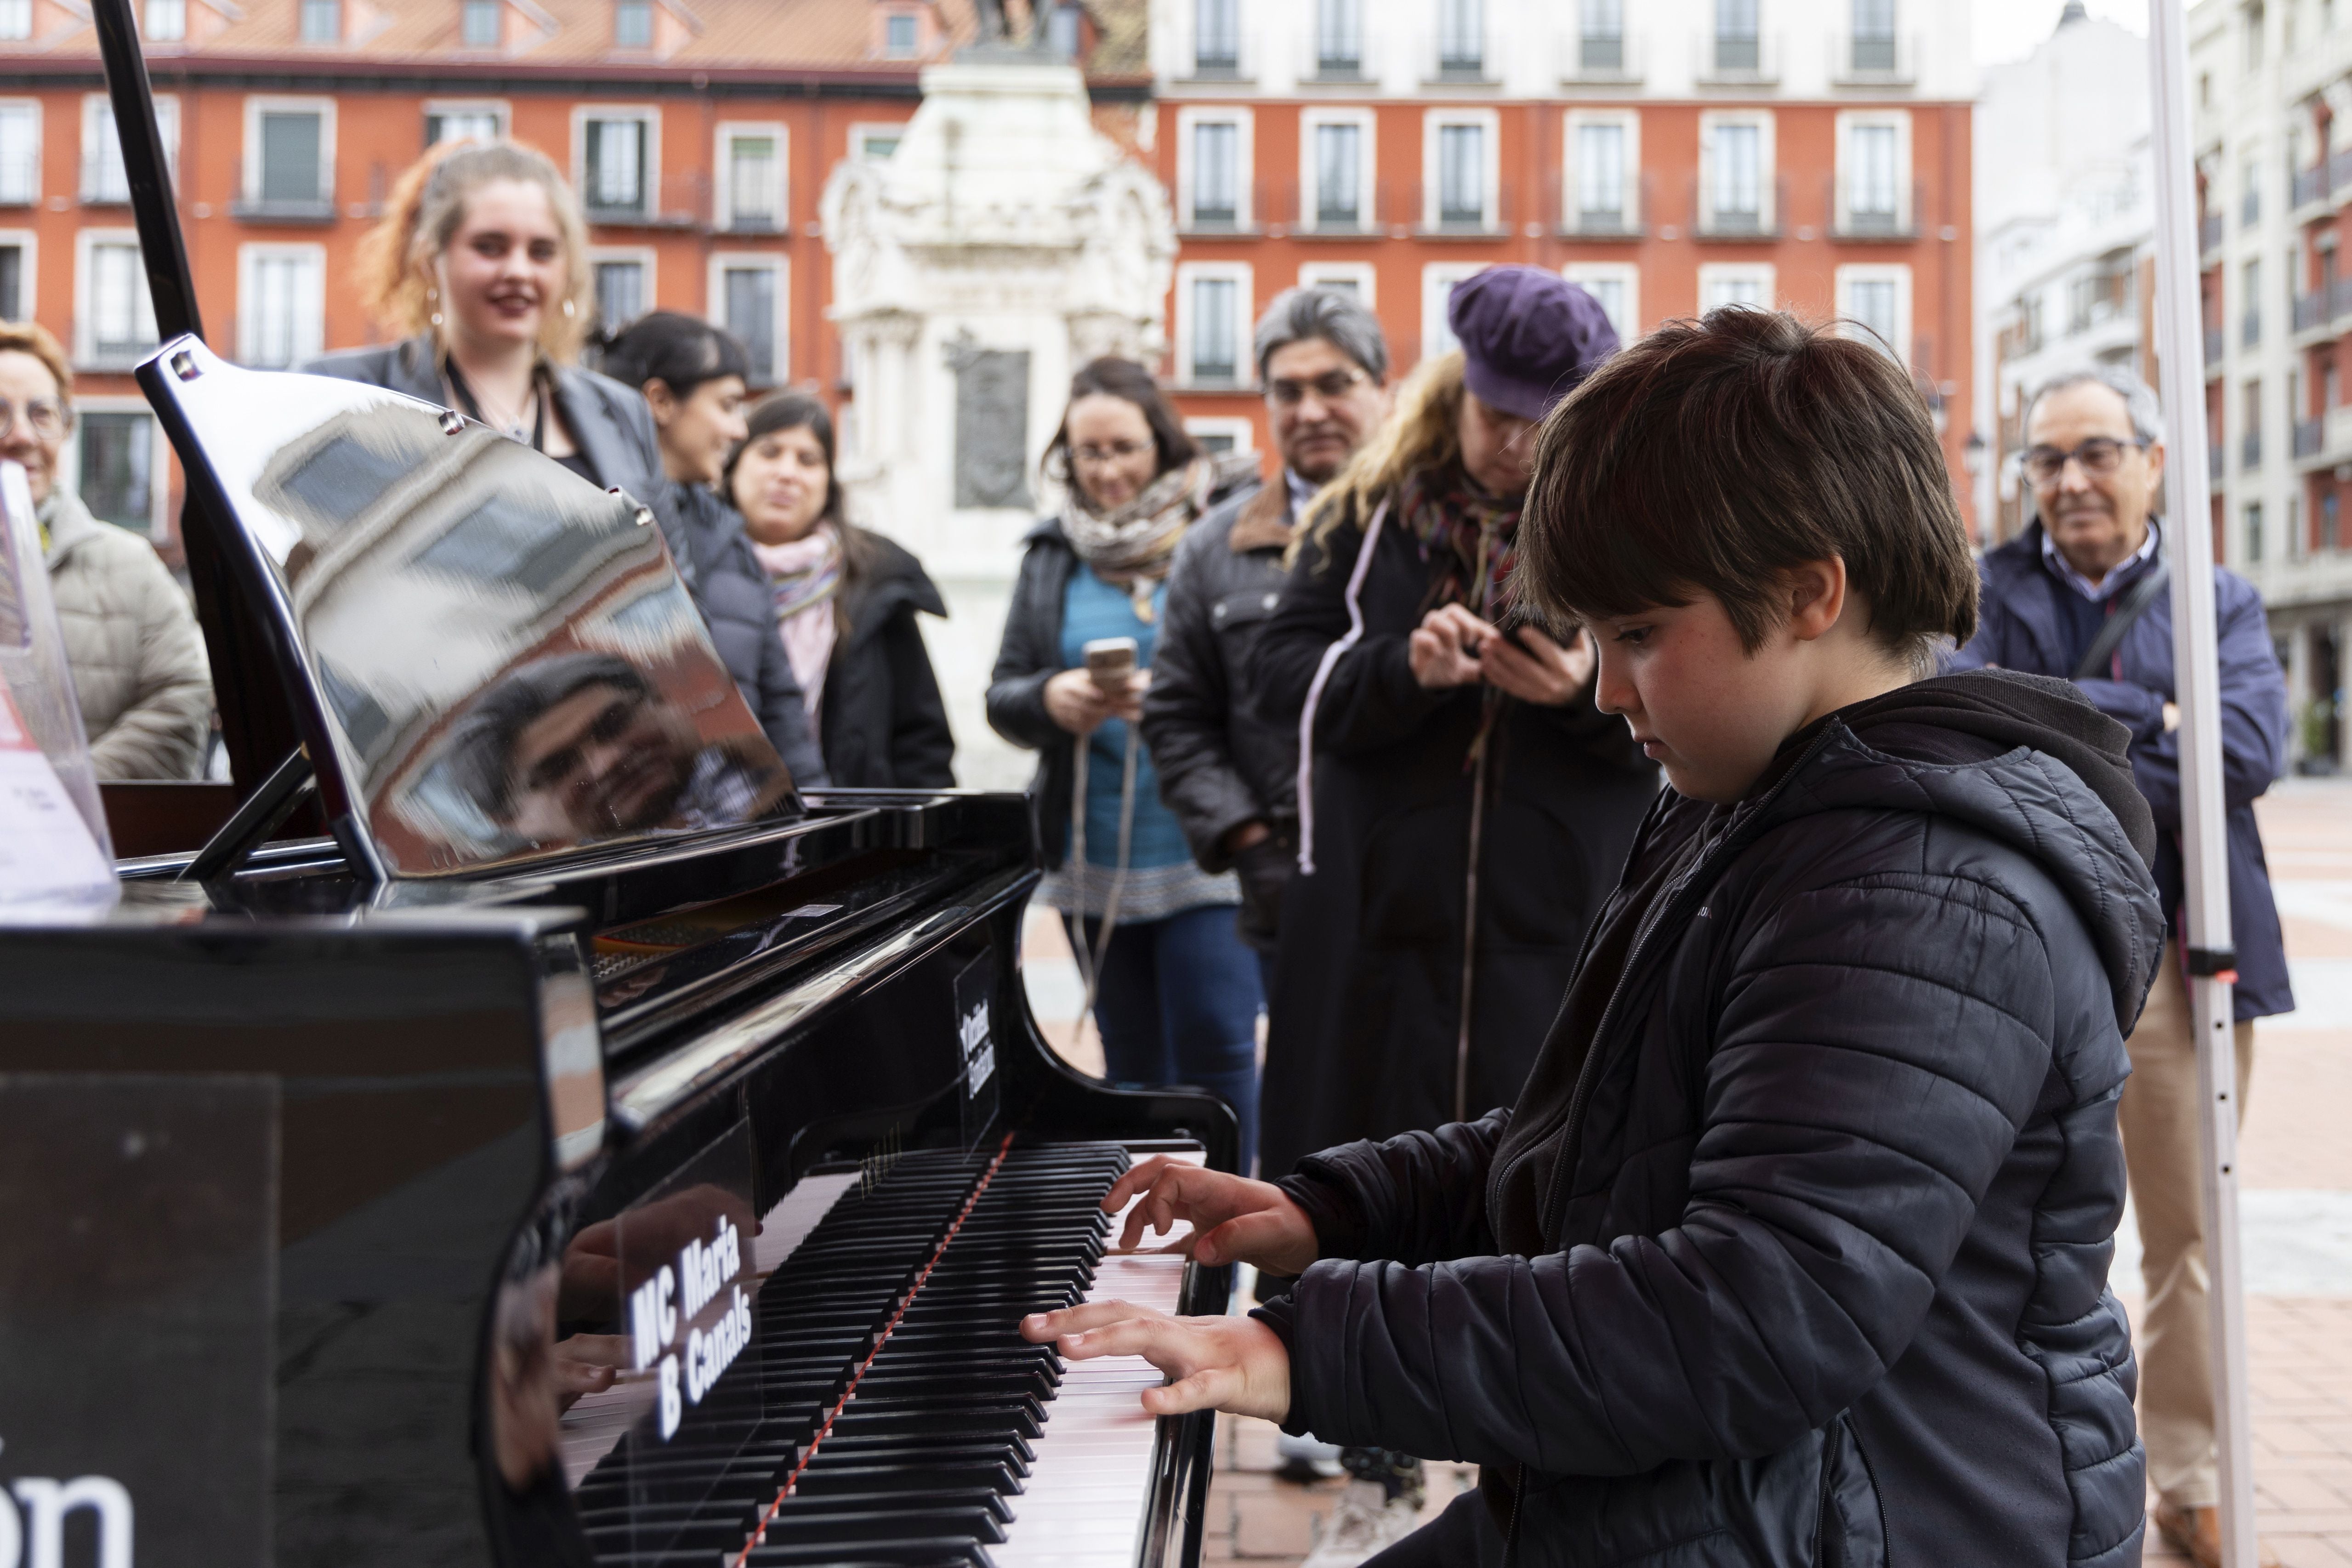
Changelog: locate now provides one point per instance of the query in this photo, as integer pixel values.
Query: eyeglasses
(45, 416)
(1329, 387)
(1116, 452)
(2100, 456)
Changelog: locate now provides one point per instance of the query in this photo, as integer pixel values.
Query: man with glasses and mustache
(2082, 595)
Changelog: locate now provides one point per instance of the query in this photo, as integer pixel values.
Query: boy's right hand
(1233, 1219)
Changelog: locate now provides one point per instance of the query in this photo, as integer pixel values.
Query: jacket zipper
(1511, 1525)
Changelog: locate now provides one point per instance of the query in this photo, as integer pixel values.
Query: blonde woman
(481, 261)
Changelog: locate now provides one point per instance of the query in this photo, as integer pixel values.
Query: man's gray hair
(1335, 315)
(2140, 402)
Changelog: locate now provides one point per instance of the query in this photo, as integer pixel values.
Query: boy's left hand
(1237, 1364)
(1543, 672)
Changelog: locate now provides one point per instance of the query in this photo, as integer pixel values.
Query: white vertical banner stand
(2209, 968)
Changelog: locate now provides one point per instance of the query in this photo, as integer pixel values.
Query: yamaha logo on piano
(688, 1296)
(33, 1527)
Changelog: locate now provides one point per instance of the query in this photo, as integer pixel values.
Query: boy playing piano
(1794, 1248)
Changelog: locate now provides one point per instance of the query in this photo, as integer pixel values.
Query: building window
(16, 19)
(1874, 36)
(1461, 176)
(2250, 200)
(2249, 438)
(12, 282)
(104, 180)
(1461, 39)
(1339, 37)
(290, 168)
(1616, 285)
(1870, 301)
(167, 20)
(1738, 47)
(1600, 176)
(281, 310)
(2251, 322)
(1873, 192)
(620, 293)
(1216, 174)
(478, 23)
(1349, 277)
(1734, 287)
(747, 307)
(2327, 534)
(1600, 39)
(877, 144)
(121, 317)
(1339, 176)
(116, 472)
(899, 34)
(1216, 38)
(754, 165)
(2254, 532)
(1216, 323)
(1063, 34)
(1736, 181)
(20, 155)
(633, 24)
(616, 186)
(323, 21)
(468, 123)
(1438, 281)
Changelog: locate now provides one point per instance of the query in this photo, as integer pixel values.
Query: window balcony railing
(1873, 59)
(1614, 58)
(2250, 208)
(2311, 310)
(1718, 216)
(2250, 328)
(124, 355)
(283, 209)
(1441, 214)
(2308, 185)
(1221, 59)
(681, 200)
(1736, 59)
(2214, 340)
(1594, 218)
(2209, 233)
(1465, 57)
(1218, 206)
(2306, 437)
(2249, 449)
(20, 181)
(1858, 211)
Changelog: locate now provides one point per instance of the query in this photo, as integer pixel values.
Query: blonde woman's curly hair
(427, 205)
(1423, 431)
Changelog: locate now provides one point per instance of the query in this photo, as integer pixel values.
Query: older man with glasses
(2082, 595)
(132, 642)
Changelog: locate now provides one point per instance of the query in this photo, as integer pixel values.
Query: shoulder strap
(2136, 601)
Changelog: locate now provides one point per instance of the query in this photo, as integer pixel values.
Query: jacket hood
(69, 524)
(892, 578)
(2027, 759)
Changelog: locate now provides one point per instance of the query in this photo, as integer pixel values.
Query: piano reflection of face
(603, 760)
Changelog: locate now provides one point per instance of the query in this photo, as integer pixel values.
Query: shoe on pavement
(1365, 1521)
(1305, 1460)
(2198, 1532)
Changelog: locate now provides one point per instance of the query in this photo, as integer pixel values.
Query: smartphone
(1110, 660)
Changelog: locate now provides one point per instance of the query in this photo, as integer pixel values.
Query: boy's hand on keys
(1237, 1364)
(1233, 1219)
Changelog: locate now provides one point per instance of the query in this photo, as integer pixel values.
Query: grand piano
(529, 1130)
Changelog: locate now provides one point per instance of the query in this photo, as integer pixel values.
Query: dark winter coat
(706, 537)
(1816, 1271)
(2025, 626)
(1220, 764)
(883, 722)
(1366, 1011)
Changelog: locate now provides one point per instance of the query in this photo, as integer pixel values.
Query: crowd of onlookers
(1300, 754)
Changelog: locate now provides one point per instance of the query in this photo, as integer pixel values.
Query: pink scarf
(802, 575)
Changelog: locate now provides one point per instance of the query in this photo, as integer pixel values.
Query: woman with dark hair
(842, 603)
(691, 374)
(1173, 990)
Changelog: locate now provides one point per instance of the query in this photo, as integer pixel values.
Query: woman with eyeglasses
(1175, 991)
(138, 660)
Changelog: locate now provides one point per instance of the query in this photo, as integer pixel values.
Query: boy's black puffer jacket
(1818, 1271)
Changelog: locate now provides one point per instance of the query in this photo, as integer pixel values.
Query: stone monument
(1004, 244)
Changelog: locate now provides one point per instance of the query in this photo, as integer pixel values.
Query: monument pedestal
(1004, 244)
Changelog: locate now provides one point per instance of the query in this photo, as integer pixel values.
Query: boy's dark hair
(1712, 456)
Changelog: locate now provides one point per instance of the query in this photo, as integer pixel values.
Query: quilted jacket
(131, 641)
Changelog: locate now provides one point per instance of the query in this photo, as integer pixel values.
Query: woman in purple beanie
(1465, 807)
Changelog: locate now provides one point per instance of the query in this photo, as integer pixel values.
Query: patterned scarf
(803, 577)
(1133, 545)
(1473, 538)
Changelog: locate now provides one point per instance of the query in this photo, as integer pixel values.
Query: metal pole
(2208, 967)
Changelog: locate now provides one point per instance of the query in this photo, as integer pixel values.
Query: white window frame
(311, 336)
(1850, 121)
(177, 34)
(1629, 123)
(644, 256)
(29, 281)
(859, 129)
(1242, 431)
(1362, 274)
(723, 172)
(259, 104)
(86, 241)
(1239, 273)
(715, 292)
(1896, 272)
(1626, 275)
(1245, 163)
(98, 106)
(19, 8)
(1367, 167)
(159, 481)
(1768, 163)
(40, 139)
(498, 43)
(650, 173)
(1437, 283)
(499, 108)
(1711, 272)
(1490, 124)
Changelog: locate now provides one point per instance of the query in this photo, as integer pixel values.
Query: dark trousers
(1176, 1003)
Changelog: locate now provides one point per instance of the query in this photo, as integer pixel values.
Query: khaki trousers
(2162, 1100)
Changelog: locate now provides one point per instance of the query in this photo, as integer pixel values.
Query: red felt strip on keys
(759, 1530)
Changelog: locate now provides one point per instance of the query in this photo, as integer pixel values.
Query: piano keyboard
(888, 1412)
